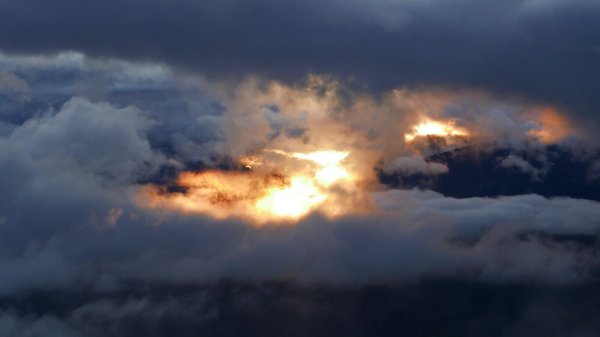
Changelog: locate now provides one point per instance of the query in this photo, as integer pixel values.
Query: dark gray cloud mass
(232, 309)
(543, 50)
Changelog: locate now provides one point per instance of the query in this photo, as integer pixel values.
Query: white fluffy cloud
(93, 137)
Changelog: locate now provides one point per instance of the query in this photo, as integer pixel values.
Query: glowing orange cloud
(274, 186)
(263, 196)
(553, 127)
(330, 171)
(292, 201)
(435, 128)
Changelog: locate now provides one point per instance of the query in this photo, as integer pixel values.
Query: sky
(304, 168)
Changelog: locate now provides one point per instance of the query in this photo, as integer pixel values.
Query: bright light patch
(331, 174)
(435, 128)
(293, 201)
(330, 169)
(286, 186)
(323, 158)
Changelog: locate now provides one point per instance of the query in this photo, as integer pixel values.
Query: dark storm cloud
(428, 308)
(543, 50)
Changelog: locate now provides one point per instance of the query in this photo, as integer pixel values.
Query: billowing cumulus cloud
(96, 138)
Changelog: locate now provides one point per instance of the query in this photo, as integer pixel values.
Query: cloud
(12, 86)
(104, 100)
(71, 174)
(198, 119)
(14, 92)
(280, 308)
(184, 112)
(545, 53)
(96, 138)
(414, 235)
(13, 325)
(415, 165)
(516, 162)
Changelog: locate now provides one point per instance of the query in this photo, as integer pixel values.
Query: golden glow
(261, 194)
(331, 174)
(323, 158)
(292, 201)
(435, 128)
(301, 174)
(250, 162)
(330, 170)
(553, 127)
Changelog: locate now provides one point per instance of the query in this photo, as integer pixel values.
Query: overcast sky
(105, 105)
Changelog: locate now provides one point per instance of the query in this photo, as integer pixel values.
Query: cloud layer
(72, 168)
(101, 101)
(543, 51)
